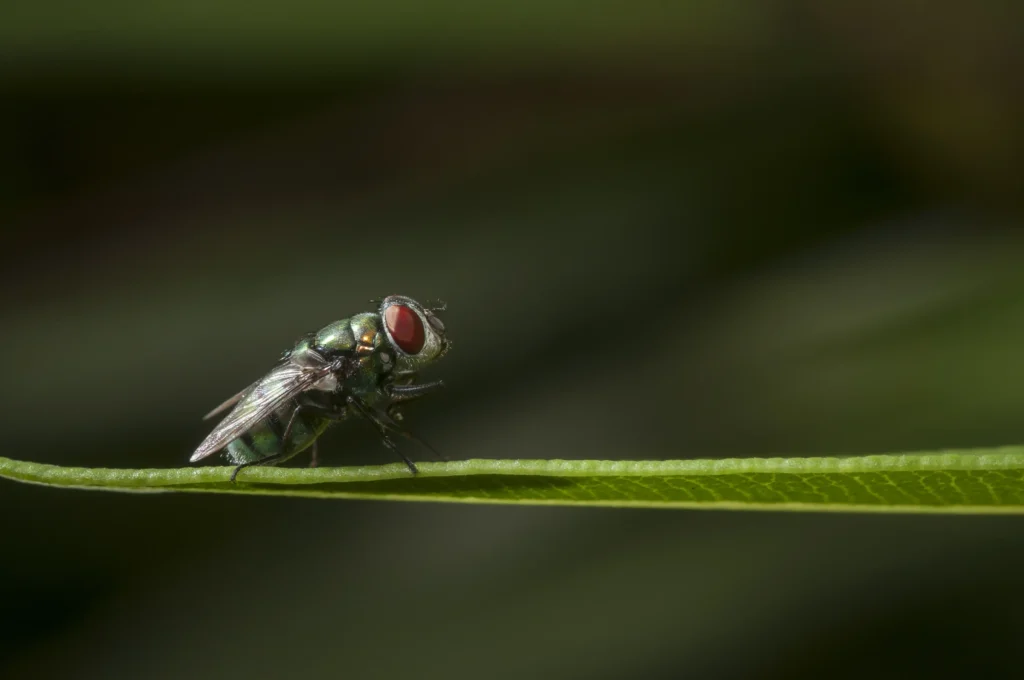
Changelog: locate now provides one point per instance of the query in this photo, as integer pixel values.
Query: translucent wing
(228, 403)
(284, 382)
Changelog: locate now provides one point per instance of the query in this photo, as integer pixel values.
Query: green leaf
(990, 480)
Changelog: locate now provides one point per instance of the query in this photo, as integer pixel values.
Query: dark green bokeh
(662, 231)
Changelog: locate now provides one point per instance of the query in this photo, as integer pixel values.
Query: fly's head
(414, 331)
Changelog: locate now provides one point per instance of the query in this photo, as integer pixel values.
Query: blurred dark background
(663, 230)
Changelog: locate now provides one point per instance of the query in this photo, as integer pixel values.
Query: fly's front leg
(403, 393)
(267, 460)
(399, 394)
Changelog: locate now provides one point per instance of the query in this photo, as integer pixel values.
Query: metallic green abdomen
(265, 439)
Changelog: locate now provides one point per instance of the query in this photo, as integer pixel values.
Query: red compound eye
(405, 327)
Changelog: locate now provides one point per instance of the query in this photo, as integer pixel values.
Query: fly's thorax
(335, 337)
(369, 351)
(359, 338)
(356, 335)
(366, 331)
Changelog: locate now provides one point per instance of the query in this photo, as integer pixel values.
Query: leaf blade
(968, 481)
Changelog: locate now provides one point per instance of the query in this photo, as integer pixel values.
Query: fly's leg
(266, 460)
(376, 418)
(385, 423)
(315, 409)
(287, 434)
(394, 448)
(392, 425)
(366, 412)
(401, 393)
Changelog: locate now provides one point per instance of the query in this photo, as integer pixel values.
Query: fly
(366, 365)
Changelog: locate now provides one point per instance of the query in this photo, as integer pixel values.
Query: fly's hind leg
(266, 460)
(317, 410)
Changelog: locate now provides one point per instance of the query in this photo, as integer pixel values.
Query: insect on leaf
(983, 481)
